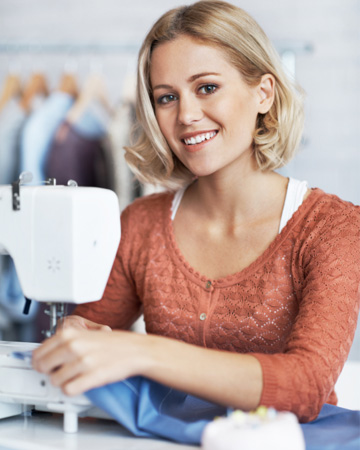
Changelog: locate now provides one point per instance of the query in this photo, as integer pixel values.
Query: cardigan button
(202, 316)
(208, 284)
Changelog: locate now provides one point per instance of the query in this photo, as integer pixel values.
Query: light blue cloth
(147, 408)
(93, 122)
(335, 429)
(12, 298)
(39, 131)
(12, 119)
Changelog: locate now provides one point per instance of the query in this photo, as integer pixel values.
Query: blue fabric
(12, 119)
(11, 296)
(93, 122)
(149, 409)
(334, 429)
(39, 131)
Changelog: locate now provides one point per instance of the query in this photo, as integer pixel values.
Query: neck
(241, 195)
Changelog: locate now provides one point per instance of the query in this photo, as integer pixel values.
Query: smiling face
(204, 108)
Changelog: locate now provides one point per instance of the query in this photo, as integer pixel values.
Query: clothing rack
(295, 46)
(70, 48)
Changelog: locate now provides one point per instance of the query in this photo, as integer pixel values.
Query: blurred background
(67, 82)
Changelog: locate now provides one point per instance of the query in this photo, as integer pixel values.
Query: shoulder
(326, 218)
(148, 209)
(150, 202)
(332, 209)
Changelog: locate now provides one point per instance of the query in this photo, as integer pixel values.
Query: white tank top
(295, 193)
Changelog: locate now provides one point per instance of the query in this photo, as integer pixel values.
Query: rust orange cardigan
(295, 308)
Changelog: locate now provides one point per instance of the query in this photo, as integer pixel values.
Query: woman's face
(204, 108)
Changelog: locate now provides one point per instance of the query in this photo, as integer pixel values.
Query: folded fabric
(334, 429)
(150, 409)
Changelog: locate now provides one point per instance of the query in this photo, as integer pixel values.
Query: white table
(44, 431)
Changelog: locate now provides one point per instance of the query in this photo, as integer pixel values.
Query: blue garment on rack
(149, 409)
(77, 151)
(12, 298)
(39, 131)
(12, 119)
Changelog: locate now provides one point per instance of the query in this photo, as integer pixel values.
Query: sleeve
(120, 306)
(302, 378)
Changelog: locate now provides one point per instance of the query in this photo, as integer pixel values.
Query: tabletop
(44, 431)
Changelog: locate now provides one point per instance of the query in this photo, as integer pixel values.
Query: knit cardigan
(294, 308)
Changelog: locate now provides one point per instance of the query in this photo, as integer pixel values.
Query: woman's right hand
(81, 323)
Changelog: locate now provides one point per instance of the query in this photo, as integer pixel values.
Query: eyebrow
(189, 80)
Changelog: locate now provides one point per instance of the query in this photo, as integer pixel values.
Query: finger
(54, 352)
(76, 322)
(69, 371)
(85, 381)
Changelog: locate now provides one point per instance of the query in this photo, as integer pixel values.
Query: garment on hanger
(35, 91)
(77, 151)
(118, 136)
(76, 156)
(39, 132)
(11, 89)
(68, 84)
(12, 120)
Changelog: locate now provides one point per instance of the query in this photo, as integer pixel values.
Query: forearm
(78, 360)
(225, 378)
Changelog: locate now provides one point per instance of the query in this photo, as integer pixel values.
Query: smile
(200, 138)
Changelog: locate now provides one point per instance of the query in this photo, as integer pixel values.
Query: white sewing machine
(63, 240)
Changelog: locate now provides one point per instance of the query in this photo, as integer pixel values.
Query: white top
(295, 193)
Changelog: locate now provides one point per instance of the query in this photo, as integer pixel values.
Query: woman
(248, 281)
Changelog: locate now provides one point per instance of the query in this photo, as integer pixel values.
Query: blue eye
(165, 99)
(208, 89)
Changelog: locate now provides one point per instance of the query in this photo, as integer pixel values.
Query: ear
(266, 92)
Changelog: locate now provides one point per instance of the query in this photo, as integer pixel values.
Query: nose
(189, 110)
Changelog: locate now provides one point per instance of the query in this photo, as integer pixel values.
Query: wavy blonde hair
(217, 23)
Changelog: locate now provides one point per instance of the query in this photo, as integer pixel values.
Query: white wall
(330, 74)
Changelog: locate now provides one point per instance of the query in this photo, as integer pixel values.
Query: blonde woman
(248, 281)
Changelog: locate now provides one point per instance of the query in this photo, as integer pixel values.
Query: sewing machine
(63, 240)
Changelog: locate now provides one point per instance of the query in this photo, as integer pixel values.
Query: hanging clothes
(12, 119)
(118, 136)
(77, 151)
(39, 132)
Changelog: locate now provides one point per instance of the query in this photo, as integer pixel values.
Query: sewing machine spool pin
(25, 177)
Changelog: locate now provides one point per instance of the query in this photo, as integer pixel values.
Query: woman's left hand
(78, 360)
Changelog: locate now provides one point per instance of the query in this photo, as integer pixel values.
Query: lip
(196, 147)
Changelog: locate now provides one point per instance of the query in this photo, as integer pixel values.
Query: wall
(329, 73)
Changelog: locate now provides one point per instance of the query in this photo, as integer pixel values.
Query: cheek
(164, 122)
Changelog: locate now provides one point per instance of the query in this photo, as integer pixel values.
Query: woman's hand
(81, 323)
(78, 360)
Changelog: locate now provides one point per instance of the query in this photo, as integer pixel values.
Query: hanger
(11, 89)
(94, 90)
(37, 86)
(68, 81)
(68, 84)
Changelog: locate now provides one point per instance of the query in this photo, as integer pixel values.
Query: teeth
(199, 138)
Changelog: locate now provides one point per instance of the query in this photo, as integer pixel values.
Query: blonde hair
(278, 132)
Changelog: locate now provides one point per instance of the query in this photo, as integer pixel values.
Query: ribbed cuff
(270, 390)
